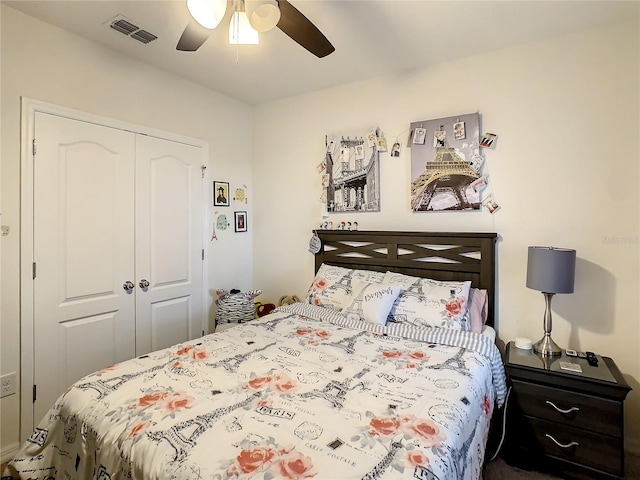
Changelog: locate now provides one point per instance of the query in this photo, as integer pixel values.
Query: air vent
(125, 26)
(143, 36)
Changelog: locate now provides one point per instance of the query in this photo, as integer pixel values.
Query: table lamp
(550, 270)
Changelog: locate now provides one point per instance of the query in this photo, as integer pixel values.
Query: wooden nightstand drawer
(599, 415)
(579, 446)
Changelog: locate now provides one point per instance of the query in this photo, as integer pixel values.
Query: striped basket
(236, 307)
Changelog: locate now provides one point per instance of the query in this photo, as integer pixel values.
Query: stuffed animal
(236, 307)
(263, 309)
(286, 300)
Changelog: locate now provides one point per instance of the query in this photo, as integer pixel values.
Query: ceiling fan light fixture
(208, 13)
(265, 17)
(240, 30)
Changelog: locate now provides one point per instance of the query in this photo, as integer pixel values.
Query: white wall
(565, 172)
(47, 64)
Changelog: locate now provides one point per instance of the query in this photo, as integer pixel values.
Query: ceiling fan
(207, 15)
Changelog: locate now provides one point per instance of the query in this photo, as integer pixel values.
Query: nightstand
(562, 422)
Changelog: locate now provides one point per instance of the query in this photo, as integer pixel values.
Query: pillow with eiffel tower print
(429, 303)
(331, 286)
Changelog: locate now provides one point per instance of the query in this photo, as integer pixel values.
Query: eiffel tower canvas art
(444, 164)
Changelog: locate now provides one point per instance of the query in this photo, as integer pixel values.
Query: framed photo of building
(351, 182)
(220, 194)
(240, 221)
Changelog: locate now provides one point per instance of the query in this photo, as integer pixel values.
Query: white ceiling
(372, 37)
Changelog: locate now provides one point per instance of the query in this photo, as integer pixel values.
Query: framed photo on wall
(220, 194)
(240, 221)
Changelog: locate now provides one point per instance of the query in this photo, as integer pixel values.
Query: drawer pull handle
(566, 412)
(568, 445)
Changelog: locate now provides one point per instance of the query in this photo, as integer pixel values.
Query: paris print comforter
(302, 393)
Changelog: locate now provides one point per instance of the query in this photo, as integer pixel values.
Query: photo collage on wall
(225, 196)
(447, 165)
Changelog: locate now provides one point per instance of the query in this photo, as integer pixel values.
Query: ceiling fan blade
(193, 37)
(302, 31)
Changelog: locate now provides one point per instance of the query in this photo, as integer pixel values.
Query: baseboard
(8, 452)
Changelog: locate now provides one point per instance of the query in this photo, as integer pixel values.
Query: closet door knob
(128, 286)
(144, 283)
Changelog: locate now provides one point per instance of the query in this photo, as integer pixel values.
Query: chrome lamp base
(547, 347)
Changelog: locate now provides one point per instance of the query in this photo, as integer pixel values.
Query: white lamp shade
(208, 13)
(265, 17)
(240, 30)
(551, 270)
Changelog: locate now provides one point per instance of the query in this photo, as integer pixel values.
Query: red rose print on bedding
(404, 359)
(258, 383)
(428, 432)
(192, 353)
(139, 427)
(277, 382)
(454, 307)
(167, 401)
(272, 461)
(150, 399)
(295, 465)
(251, 460)
(309, 336)
(416, 457)
(418, 437)
(177, 402)
(320, 284)
(384, 426)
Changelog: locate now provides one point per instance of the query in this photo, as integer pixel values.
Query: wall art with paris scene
(446, 164)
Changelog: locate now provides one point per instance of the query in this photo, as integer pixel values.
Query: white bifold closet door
(118, 220)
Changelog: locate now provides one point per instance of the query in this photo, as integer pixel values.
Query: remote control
(582, 355)
(571, 353)
(592, 359)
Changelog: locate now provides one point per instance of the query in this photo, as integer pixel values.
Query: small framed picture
(221, 194)
(439, 138)
(419, 135)
(241, 221)
(459, 131)
(488, 140)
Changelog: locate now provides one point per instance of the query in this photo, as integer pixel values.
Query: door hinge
(33, 142)
(203, 254)
(34, 394)
(33, 270)
(203, 168)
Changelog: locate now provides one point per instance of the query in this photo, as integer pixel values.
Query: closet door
(168, 257)
(84, 319)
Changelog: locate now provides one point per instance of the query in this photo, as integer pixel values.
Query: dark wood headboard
(437, 255)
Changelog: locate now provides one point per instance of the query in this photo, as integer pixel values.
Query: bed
(366, 391)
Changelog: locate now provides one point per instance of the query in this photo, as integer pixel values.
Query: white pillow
(331, 286)
(425, 302)
(371, 302)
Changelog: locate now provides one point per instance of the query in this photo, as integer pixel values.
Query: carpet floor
(499, 470)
